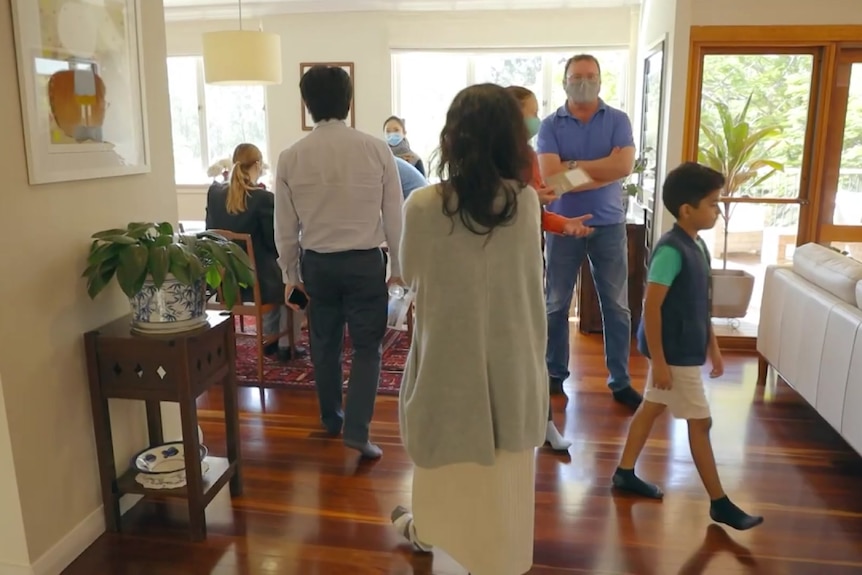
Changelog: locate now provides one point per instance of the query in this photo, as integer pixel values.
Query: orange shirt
(551, 222)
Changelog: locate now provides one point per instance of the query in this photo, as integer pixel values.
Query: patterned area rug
(299, 373)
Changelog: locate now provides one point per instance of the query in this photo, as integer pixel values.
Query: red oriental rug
(299, 373)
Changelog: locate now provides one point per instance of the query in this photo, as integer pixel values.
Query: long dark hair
(483, 143)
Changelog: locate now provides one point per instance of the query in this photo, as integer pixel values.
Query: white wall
(13, 543)
(367, 40)
(46, 311)
(775, 12)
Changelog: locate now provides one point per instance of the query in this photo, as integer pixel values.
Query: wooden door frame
(824, 43)
(827, 232)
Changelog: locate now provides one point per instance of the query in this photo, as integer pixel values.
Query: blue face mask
(394, 138)
(533, 126)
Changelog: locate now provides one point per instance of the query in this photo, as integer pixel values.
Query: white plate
(163, 459)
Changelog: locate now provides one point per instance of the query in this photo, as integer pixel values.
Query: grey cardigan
(476, 379)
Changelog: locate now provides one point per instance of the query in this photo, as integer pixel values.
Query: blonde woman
(243, 206)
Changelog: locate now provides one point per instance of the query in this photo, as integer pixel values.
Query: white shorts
(686, 398)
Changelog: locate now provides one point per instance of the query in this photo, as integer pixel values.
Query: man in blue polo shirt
(587, 133)
(411, 178)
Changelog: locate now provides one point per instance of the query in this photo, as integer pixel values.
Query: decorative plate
(164, 459)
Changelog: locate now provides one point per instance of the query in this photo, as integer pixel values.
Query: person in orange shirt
(551, 222)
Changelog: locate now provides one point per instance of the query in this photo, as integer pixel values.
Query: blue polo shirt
(411, 178)
(564, 135)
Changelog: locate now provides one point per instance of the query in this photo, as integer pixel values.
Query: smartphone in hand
(298, 298)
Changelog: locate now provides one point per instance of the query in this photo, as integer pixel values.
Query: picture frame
(652, 122)
(307, 120)
(81, 85)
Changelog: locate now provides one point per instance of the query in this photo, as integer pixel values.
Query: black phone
(297, 297)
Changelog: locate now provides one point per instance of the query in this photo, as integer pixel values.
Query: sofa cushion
(829, 270)
(859, 295)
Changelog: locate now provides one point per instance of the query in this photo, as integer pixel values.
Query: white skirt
(483, 517)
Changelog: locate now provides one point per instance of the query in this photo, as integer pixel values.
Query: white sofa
(810, 332)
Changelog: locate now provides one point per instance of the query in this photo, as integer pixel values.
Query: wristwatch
(572, 164)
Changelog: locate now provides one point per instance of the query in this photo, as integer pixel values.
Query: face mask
(582, 91)
(394, 138)
(533, 126)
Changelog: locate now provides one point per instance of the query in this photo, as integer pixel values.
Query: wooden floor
(310, 508)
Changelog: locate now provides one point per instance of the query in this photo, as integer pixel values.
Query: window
(207, 122)
(424, 104)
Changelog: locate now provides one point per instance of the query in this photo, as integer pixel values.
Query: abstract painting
(307, 120)
(80, 79)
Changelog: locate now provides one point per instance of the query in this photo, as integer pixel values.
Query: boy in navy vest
(676, 335)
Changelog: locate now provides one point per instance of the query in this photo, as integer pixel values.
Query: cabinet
(588, 301)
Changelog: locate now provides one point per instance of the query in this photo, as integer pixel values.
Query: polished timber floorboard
(310, 508)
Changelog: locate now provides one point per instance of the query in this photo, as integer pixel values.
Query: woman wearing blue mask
(395, 133)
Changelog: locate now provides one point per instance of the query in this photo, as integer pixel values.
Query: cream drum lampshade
(242, 57)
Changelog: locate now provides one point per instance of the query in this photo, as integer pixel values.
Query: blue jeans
(276, 321)
(607, 250)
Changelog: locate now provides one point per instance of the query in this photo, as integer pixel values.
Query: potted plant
(632, 186)
(739, 150)
(165, 275)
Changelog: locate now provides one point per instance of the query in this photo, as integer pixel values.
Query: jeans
(275, 321)
(346, 288)
(607, 250)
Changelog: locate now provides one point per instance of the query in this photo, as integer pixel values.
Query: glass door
(841, 200)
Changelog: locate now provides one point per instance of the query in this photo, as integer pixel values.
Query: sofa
(810, 333)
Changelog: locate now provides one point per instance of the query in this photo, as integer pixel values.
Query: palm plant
(739, 149)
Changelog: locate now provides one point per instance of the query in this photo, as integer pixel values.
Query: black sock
(626, 480)
(723, 510)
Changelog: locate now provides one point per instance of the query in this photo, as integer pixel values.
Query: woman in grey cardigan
(474, 398)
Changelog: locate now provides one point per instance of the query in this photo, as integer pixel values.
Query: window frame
(200, 81)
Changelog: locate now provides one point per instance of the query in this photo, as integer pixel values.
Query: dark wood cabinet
(588, 301)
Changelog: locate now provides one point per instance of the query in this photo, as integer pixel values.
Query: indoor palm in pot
(165, 275)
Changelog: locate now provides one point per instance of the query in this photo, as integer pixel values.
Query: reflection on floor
(310, 508)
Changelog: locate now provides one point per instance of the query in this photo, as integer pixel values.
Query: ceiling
(214, 9)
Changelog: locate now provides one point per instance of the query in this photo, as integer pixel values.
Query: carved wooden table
(171, 368)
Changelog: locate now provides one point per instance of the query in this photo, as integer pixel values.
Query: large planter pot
(172, 308)
(731, 293)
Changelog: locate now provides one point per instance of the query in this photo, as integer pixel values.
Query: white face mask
(583, 91)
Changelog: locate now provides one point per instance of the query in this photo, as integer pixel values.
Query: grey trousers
(346, 288)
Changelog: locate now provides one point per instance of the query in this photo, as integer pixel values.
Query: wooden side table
(589, 309)
(170, 368)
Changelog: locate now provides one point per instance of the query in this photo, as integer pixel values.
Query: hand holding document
(568, 180)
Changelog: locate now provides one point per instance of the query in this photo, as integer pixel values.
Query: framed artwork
(307, 120)
(80, 78)
(651, 123)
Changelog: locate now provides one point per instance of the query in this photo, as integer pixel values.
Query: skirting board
(72, 545)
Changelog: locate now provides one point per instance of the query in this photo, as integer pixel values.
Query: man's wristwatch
(572, 164)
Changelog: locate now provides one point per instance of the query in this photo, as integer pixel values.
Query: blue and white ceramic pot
(172, 308)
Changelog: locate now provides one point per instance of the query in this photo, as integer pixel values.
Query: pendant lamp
(234, 57)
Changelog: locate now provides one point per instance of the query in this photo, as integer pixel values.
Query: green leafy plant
(631, 183)
(151, 250)
(740, 150)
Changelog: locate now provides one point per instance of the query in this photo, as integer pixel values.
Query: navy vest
(686, 311)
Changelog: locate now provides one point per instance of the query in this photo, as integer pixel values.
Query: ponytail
(238, 189)
(244, 157)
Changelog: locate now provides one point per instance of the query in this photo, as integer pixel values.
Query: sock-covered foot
(724, 511)
(368, 450)
(403, 522)
(555, 439)
(626, 480)
(629, 397)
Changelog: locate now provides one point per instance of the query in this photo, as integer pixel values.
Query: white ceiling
(214, 9)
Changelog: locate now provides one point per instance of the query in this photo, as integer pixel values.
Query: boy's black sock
(724, 511)
(626, 480)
